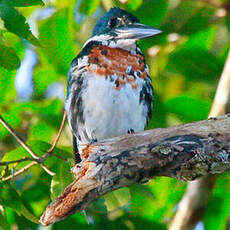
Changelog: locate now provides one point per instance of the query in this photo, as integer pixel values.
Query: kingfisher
(109, 90)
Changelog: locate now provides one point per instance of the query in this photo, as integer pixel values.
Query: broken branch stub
(184, 152)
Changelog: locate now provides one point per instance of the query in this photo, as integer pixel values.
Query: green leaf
(10, 198)
(36, 198)
(8, 58)
(134, 4)
(26, 213)
(40, 79)
(39, 148)
(111, 202)
(42, 130)
(217, 211)
(59, 48)
(148, 200)
(14, 121)
(3, 222)
(48, 122)
(20, 152)
(99, 206)
(142, 203)
(16, 154)
(23, 3)
(189, 17)
(51, 112)
(123, 196)
(203, 39)
(117, 199)
(203, 18)
(89, 7)
(187, 108)
(7, 87)
(62, 178)
(178, 16)
(16, 23)
(152, 12)
(15, 113)
(159, 112)
(196, 63)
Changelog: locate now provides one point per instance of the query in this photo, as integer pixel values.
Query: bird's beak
(135, 31)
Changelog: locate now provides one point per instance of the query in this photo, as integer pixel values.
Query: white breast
(109, 112)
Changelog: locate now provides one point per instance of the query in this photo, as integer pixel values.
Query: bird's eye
(113, 22)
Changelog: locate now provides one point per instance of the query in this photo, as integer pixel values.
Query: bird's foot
(92, 141)
(130, 131)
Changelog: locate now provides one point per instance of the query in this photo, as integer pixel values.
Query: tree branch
(184, 152)
(223, 91)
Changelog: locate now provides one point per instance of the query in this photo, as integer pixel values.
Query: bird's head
(118, 28)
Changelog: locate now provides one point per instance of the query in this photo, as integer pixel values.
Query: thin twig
(20, 171)
(36, 159)
(19, 140)
(5, 163)
(47, 170)
(27, 148)
(59, 133)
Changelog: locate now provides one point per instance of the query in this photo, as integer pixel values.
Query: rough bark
(185, 152)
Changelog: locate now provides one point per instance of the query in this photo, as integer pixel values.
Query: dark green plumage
(109, 20)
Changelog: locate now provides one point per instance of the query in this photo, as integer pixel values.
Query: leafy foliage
(19, 3)
(185, 63)
(10, 198)
(89, 7)
(15, 22)
(9, 58)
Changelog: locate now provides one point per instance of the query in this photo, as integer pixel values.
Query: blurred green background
(185, 62)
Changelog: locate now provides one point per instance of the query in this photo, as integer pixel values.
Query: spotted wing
(146, 97)
(73, 105)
